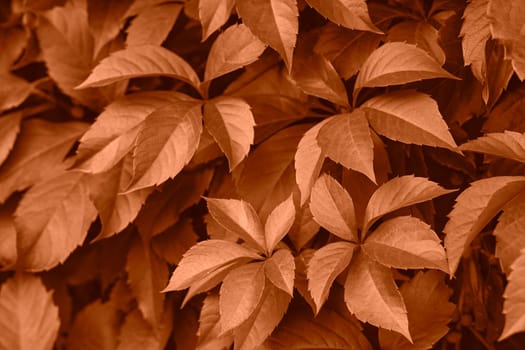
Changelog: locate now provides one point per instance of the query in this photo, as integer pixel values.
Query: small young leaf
(324, 267)
(241, 291)
(398, 193)
(333, 209)
(352, 14)
(279, 223)
(205, 257)
(346, 140)
(28, 317)
(274, 22)
(372, 295)
(230, 121)
(140, 61)
(234, 48)
(507, 144)
(474, 209)
(240, 218)
(513, 307)
(475, 32)
(141, 32)
(280, 270)
(406, 242)
(9, 129)
(213, 14)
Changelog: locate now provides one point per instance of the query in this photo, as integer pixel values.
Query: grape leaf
(203, 258)
(213, 14)
(230, 121)
(280, 270)
(234, 48)
(274, 22)
(475, 32)
(397, 63)
(240, 218)
(474, 209)
(352, 14)
(346, 140)
(398, 193)
(429, 311)
(9, 129)
(409, 117)
(209, 332)
(140, 61)
(507, 144)
(324, 267)
(52, 219)
(241, 292)
(406, 242)
(372, 295)
(13, 91)
(279, 222)
(166, 142)
(333, 208)
(141, 32)
(8, 253)
(28, 316)
(513, 306)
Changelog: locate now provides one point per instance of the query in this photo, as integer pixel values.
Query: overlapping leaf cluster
(262, 174)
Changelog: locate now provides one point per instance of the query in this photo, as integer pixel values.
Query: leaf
(234, 48)
(429, 311)
(395, 64)
(474, 209)
(213, 14)
(8, 253)
(324, 267)
(230, 121)
(140, 61)
(352, 14)
(13, 91)
(507, 144)
(398, 193)
(279, 222)
(14, 39)
(52, 219)
(409, 117)
(241, 292)
(274, 22)
(166, 142)
(263, 321)
(9, 129)
(280, 270)
(405, 242)
(205, 257)
(475, 32)
(346, 140)
(141, 32)
(333, 208)
(137, 333)
(240, 218)
(513, 304)
(28, 316)
(372, 295)
(209, 332)
(172, 244)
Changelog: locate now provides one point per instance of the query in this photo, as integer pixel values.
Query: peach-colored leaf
(209, 333)
(141, 32)
(514, 305)
(507, 144)
(13, 91)
(420, 33)
(213, 14)
(352, 14)
(475, 32)
(279, 223)
(280, 270)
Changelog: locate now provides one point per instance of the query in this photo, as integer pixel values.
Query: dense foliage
(262, 174)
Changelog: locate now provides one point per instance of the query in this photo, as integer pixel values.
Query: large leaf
(279, 222)
(9, 129)
(372, 295)
(352, 14)
(507, 144)
(241, 292)
(213, 14)
(475, 32)
(324, 267)
(38, 152)
(398, 193)
(205, 257)
(514, 305)
(28, 317)
(408, 243)
(397, 63)
(230, 121)
(240, 218)
(141, 61)
(274, 22)
(166, 142)
(333, 209)
(52, 219)
(429, 311)
(346, 140)
(474, 209)
(280, 270)
(234, 48)
(141, 32)
(409, 117)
